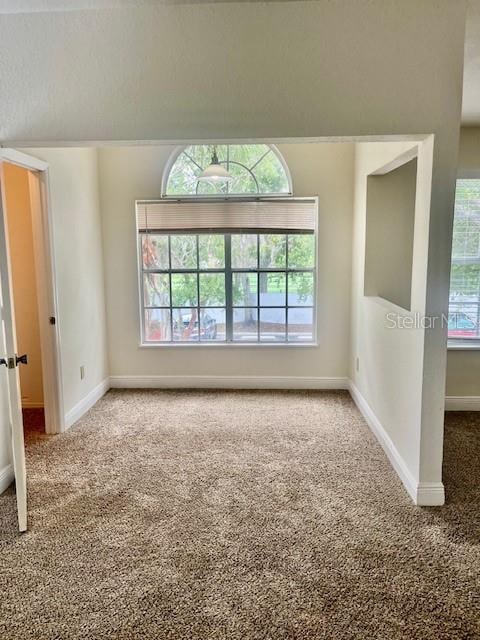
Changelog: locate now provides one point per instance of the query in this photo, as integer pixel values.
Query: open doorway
(30, 266)
(20, 208)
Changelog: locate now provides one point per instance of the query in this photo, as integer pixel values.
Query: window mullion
(286, 288)
(228, 289)
(170, 286)
(198, 286)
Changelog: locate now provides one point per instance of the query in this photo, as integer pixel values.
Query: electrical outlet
(358, 364)
(82, 372)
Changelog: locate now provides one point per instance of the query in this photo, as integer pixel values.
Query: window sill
(463, 345)
(229, 345)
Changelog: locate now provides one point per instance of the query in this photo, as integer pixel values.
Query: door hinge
(52, 320)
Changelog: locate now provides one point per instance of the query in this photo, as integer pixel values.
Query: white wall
(22, 261)
(386, 364)
(390, 215)
(79, 268)
(326, 170)
(255, 70)
(463, 367)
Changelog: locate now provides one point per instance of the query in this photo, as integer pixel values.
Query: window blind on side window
(464, 307)
(279, 215)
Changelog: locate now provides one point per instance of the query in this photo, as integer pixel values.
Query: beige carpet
(237, 516)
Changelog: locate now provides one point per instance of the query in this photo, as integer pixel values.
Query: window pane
(245, 325)
(301, 251)
(184, 289)
(272, 289)
(248, 154)
(202, 153)
(183, 176)
(273, 250)
(272, 325)
(244, 251)
(271, 175)
(300, 289)
(464, 308)
(157, 325)
(211, 251)
(245, 289)
(204, 188)
(185, 325)
(243, 181)
(183, 250)
(300, 325)
(268, 171)
(155, 252)
(212, 324)
(212, 289)
(156, 288)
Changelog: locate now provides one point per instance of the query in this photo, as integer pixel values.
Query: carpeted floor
(237, 516)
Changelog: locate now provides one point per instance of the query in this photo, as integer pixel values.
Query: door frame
(46, 282)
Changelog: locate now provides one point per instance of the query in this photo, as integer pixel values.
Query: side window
(464, 304)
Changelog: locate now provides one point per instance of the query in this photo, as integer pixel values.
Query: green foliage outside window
(255, 168)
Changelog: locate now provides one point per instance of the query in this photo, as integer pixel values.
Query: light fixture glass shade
(215, 172)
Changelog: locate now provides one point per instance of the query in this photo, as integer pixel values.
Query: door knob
(3, 361)
(21, 359)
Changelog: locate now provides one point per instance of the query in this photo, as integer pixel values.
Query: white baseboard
(462, 403)
(422, 493)
(430, 494)
(86, 403)
(6, 477)
(226, 382)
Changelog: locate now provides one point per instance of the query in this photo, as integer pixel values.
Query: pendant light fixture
(215, 173)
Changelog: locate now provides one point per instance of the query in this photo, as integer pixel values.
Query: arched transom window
(257, 169)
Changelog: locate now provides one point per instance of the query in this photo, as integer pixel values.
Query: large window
(228, 287)
(227, 262)
(464, 308)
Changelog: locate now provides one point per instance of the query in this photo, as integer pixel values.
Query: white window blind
(464, 307)
(279, 215)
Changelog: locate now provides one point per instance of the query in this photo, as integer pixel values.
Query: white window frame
(230, 345)
(462, 344)
(181, 148)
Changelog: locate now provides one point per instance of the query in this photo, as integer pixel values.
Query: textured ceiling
(33, 6)
(471, 77)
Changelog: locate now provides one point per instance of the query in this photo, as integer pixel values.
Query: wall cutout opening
(389, 234)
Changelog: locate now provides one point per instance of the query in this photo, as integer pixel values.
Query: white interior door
(8, 358)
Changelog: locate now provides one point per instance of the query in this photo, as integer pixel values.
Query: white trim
(29, 404)
(422, 493)
(22, 159)
(227, 345)
(430, 494)
(397, 162)
(6, 477)
(47, 301)
(227, 382)
(86, 403)
(396, 137)
(462, 403)
(45, 273)
(457, 344)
